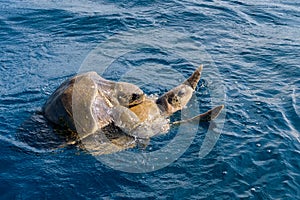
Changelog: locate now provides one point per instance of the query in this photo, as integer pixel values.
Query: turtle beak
(193, 80)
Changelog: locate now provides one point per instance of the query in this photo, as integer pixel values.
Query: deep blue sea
(251, 55)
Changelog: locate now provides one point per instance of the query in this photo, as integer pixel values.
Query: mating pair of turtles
(112, 116)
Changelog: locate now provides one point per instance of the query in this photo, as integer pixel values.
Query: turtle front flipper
(204, 117)
(130, 123)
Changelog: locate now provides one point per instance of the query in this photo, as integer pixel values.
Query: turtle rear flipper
(204, 117)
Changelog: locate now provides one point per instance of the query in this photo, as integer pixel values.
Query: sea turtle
(154, 113)
(86, 103)
(112, 116)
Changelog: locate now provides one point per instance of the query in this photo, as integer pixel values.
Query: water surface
(253, 45)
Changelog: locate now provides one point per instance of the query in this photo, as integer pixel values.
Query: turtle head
(175, 99)
(128, 94)
(178, 97)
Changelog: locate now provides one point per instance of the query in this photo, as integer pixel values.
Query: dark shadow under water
(38, 133)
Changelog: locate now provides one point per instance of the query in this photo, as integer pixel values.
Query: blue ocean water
(255, 46)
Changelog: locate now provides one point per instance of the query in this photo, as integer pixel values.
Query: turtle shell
(71, 105)
(87, 102)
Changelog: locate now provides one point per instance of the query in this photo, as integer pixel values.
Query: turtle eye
(171, 99)
(135, 97)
